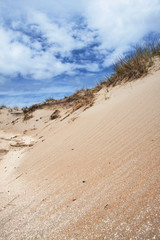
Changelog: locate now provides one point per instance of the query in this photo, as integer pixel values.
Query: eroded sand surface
(94, 175)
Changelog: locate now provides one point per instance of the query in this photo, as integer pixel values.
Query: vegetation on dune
(134, 65)
(50, 99)
(27, 116)
(3, 106)
(81, 98)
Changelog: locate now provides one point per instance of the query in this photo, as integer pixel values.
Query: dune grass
(134, 65)
(3, 106)
(50, 99)
(131, 67)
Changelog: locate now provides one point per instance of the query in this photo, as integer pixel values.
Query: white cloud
(24, 54)
(117, 24)
(121, 22)
(17, 57)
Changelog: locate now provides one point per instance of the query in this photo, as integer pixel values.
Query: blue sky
(53, 48)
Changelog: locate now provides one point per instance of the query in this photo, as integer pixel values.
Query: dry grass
(27, 116)
(82, 98)
(133, 66)
(3, 106)
(50, 99)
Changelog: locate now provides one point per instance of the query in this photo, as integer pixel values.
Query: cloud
(49, 28)
(40, 40)
(27, 57)
(31, 47)
(121, 23)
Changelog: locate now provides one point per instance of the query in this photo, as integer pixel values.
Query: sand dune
(91, 175)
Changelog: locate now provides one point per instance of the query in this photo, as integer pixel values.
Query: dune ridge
(90, 174)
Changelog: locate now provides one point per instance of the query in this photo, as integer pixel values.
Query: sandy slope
(94, 175)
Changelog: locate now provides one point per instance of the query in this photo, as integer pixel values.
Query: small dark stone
(74, 199)
(83, 181)
(105, 206)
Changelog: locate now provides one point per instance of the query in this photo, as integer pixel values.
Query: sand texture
(92, 174)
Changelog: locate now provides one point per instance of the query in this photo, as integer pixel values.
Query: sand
(92, 175)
